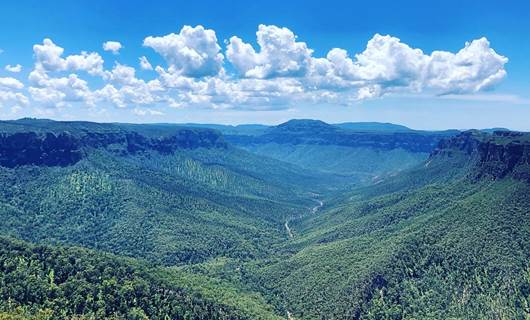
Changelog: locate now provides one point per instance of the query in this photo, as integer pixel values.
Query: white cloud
(48, 58)
(145, 64)
(58, 92)
(15, 109)
(126, 89)
(113, 46)
(193, 52)
(10, 94)
(12, 99)
(388, 65)
(369, 92)
(280, 54)
(280, 74)
(147, 112)
(474, 68)
(11, 83)
(15, 69)
(388, 61)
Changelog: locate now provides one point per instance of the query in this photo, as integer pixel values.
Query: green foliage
(203, 226)
(172, 209)
(362, 163)
(456, 249)
(57, 283)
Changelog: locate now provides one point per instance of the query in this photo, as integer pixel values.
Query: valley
(313, 210)
(304, 220)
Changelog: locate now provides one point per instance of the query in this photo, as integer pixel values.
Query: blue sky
(287, 77)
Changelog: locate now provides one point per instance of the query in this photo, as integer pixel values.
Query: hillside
(49, 283)
(179, 198)
(129, 221)
(430, 243)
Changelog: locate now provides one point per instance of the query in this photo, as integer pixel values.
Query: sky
(424, 64)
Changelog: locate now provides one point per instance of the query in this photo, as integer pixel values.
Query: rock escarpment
(63, 149)
(493, 155)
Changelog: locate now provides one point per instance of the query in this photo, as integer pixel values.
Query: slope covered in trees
(176, 199)
(449, 239)
(50, 283)
(179, 222)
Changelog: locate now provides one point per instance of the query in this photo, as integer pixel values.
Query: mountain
(243, 129)
(372, 126)
(167, 221)
(163, 194)
(178, 197)
(492, 130)
(447, 239)
(362, 155)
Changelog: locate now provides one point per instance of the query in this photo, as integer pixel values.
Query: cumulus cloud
(10, 94)
(388, 61)
(59, 91)
(11, 83)
(51, 88)
(194, 52)
(15, 100)
(112, 46)
(388, 65)
(15, 69)
(48, 57)
(279, 72)
(474, 68)
(126, 89)
(145, 64)
(280, 54)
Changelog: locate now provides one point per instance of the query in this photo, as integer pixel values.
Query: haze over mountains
(304, 220)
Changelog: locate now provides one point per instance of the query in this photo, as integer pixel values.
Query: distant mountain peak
(304, 122)
(304, 125)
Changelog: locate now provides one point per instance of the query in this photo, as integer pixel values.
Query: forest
(305, 220)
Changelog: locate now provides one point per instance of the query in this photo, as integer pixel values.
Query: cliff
(495, 155)
(65, 148)
(26, 148)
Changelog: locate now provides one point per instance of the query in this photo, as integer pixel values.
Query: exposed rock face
(30, 148)
(49, 149)
(466, 142)
(513, 158)
(495, 155)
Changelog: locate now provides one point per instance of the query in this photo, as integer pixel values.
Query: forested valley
(304, 220)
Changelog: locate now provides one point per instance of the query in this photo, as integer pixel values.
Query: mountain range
(303, 220)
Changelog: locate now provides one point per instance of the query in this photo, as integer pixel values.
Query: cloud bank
(278, 71)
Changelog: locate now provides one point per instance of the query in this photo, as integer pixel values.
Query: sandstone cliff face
(493, 155)
(63, 149)
(30, 148)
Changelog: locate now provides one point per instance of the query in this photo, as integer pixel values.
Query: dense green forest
(47, 283)
(302, 221)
